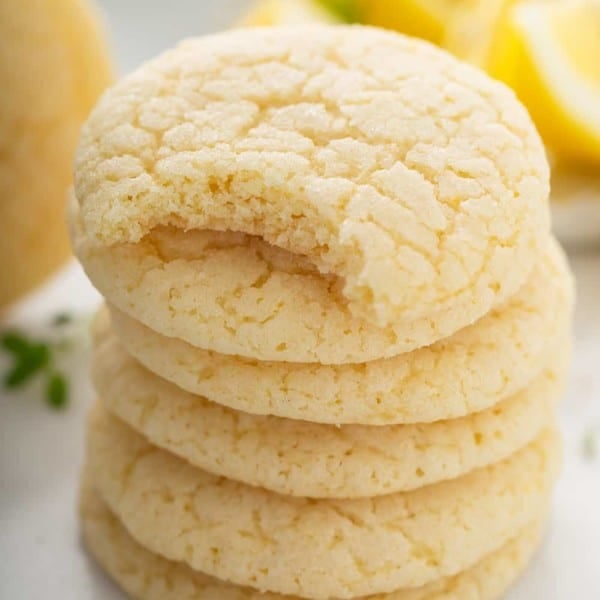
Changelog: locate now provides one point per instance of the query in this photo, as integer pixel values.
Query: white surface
(140, 29)
(41, 451)
(577, 221)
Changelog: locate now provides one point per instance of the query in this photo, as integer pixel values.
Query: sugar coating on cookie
(256, 538)
(148, 576)
(416, 180)
(468, 372)
(308, 459)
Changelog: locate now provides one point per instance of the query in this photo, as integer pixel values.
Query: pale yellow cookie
(308, 459)
(54, 64)
(315, 548)
(147, 576)
(417, 183)
(468, 372)
(235, 295)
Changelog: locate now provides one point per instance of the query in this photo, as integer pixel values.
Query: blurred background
(56, 57)
(140, 29)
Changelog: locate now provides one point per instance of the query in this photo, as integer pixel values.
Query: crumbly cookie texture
(307, 459)
(256, 538)
(466, 373)
(238, 296)
(416, 180)
(147, 576)
(53, 65)
(235, 295)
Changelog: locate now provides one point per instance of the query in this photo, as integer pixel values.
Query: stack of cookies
(337, 325)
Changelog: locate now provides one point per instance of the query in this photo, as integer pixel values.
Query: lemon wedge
(428, 19)
(549, 53)
(474, 28)
(422, 18)
(287, 12)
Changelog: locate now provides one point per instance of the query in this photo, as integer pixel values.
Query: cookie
(147, 576)
(245, 298)
(422, 200)
(466, 373)
(314, 548)
(54, 64)
(308, 459)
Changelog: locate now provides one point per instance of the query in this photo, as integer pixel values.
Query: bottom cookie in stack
(318, 548)
(148, 576)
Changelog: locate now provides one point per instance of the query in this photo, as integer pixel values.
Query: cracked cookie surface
(467, 372)
(299, 458)
(424, 197)
(148, 576)
(256, 538)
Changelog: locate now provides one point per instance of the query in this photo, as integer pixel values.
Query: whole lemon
(53, 65)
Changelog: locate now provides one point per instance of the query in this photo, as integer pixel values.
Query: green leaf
(57, 391)
(27, 363)
(15, 343)
(19, 375)
(346, 10)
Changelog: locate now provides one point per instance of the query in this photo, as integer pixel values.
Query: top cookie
(417, 180)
